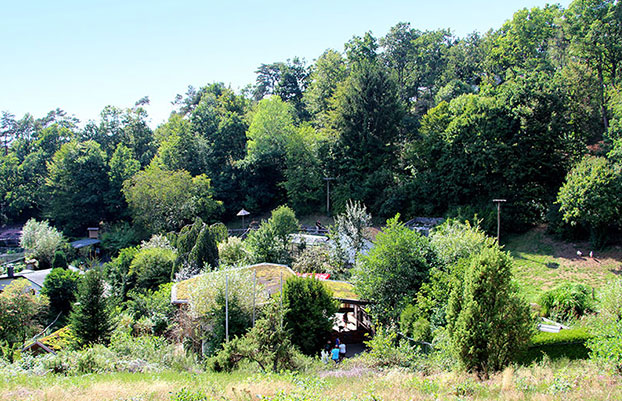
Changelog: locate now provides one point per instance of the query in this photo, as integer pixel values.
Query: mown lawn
(541, 263)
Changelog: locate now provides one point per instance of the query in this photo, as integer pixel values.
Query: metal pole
(254, 289)
(281, 300)
(498, 202)
(227, 307)
(328, 180)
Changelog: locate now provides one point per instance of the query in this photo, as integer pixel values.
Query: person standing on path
(335, 354)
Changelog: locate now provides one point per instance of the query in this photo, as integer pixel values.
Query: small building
(352, 323)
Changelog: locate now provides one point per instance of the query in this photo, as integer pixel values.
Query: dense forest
(418, 122)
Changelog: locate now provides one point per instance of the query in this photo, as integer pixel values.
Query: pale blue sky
(83, 55)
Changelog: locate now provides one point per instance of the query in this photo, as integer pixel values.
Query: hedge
(565, 344)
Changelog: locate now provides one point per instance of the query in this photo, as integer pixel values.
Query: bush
(606, 344)
(60, 286)
(393, 270)
(41, 241)
(90, 319)
(152, 267)
(487, 321)
(310, 312)
(268, 344)
(232, 252)
(119, 236)
(313, 259)
(152, 307)
(386, 351)
(566, 302)
(60, 260)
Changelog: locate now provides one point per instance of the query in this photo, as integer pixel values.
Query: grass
(563, 380)
(269, 275)
(542, 263)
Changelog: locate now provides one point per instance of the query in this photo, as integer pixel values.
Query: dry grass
(578, 380)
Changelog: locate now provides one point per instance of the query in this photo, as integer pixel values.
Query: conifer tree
(90, 319)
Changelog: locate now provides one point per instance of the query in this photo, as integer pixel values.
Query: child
(342, 351)
(335, 354)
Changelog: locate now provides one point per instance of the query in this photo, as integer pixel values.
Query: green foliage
(187, 395)
(152, 267)
(204, 253)
(349, 233)
(310, 312)
(59, 260)
(162, 200)
(590, 197)
(232, 252)
(78, 176)
(385, 350)
(393, 270)
(119, 236)
(60, 286)
(487, 321)
(91, 316)
(117, 273)
(414, 325)
(606, 343)
(20, 312)
(270, 242)
(313, 259)
(268, 344)
(41, 241)
(240, 320)
(154, 307)
(566, 302)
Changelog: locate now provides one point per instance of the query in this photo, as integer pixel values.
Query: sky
(81, 56)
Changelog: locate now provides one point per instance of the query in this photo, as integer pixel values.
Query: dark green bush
(59, 260)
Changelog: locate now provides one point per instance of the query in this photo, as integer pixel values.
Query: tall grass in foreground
(560, 380)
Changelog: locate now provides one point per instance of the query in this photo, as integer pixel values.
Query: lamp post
(243, 213)
(498, 202)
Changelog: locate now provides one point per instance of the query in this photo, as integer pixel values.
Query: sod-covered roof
(268, 275)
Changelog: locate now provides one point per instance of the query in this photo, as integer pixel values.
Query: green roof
(269, 275)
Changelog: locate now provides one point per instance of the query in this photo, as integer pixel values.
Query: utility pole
(498, 202)
(254, 290)
(328, 180)
(227, 308)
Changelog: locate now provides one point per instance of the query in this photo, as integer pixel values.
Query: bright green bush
(232, 252)
(566, 302)
(152, 267)
(606, 344)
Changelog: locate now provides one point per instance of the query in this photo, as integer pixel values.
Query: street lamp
(498, 202)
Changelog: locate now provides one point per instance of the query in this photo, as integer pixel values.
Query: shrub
(90, 319)
(606, 344)
(310, 312)
(41, 241)
(152, 267)
(232, 252)
(385, 350)
(60, 286)
(20, 311)
(119, 236)
(152, 307)
(393, 270)
(268, 344)
(60, 260)
(566, 302)
(117, 273)
(313, 259)
(487, 321)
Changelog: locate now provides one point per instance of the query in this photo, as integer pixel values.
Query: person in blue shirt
(335, 354)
